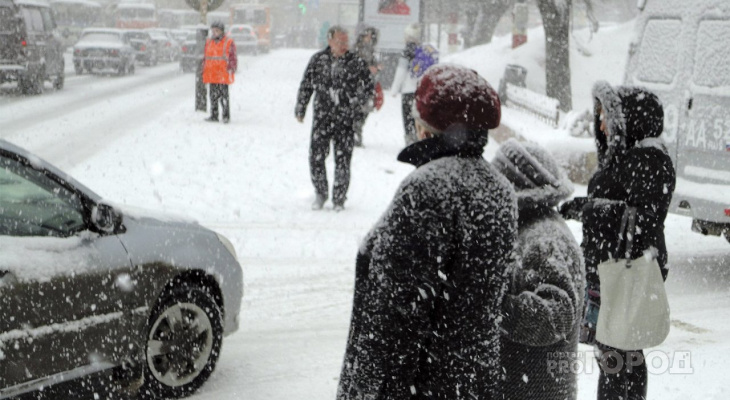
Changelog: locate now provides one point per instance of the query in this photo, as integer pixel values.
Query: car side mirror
(105, 218)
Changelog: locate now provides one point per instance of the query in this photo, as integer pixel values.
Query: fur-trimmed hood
(632, 115)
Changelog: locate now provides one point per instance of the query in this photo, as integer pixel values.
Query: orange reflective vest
(215, 69)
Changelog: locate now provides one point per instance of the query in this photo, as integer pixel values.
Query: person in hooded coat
(431, 274)
(634, 170)
(365, 44)
(405, 83)
(544, 303)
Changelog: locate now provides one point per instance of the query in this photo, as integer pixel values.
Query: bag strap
(627, 231)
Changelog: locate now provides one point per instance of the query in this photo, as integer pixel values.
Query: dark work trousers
(219, 93)
(623, 374)
(341, 135)
(409, 124)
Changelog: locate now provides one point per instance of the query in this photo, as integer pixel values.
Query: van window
(48, 22)
(712, 54)
(658, 51)
(33, 19)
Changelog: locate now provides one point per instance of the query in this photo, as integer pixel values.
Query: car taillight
(142, 48)
(77, 52)
(115, 52)
(727, 212)
(167, 44)
(185, 49)
(23, 43)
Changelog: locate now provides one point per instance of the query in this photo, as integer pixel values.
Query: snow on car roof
(88, 3)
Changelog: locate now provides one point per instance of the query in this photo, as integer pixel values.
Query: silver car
(87, 287)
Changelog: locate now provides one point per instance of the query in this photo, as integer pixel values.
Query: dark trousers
(341, 135)
(219, 94)
(623, 374)
(409, 124)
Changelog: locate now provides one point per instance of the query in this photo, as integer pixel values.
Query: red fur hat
(450, 96)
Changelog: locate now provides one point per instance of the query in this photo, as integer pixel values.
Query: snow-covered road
(136, 140)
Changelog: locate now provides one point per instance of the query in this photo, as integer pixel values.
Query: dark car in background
(89, 288)
(100, 49)
(168, 49)
(31, 49)
(191, 52)
(145, 49)
(245, 38)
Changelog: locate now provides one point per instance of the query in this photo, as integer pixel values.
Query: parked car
(168, 49)
(100, 49)
(245, 38)
(31, 49)
(145, 49)
(191, 52)
(87, 287)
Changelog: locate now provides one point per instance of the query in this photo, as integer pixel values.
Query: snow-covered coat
(404, 81)
(635, 170)
(342, 87)
(430, 279)
(544, 304)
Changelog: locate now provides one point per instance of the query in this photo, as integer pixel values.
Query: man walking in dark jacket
(342, 85)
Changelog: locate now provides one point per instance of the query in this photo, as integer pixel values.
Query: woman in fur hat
(544, 303)
(634, 171)
(431, 274)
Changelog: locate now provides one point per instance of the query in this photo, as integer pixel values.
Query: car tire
(31, 84)
(58, 81)
(177, 363)
(78, 69)
(130, 68)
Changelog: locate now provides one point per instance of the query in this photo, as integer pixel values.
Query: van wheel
(58, 81)
(183, 343)
(32, 84)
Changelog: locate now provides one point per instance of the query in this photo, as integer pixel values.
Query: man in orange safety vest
(219, 67)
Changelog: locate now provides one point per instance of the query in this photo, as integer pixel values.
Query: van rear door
(703, 157)
(10, 41)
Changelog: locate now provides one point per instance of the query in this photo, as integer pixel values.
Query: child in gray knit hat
(544, 304)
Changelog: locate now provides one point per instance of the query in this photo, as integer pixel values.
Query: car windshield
(108, 37)
(138, 35)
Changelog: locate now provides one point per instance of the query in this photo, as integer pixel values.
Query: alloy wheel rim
(180, 344)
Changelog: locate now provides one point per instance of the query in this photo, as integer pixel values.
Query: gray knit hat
(535, 174)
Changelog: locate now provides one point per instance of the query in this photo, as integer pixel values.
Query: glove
(590, 317)
(573, 209)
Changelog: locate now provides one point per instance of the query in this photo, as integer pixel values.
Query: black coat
(430, 279)
(635, 170)
(341, 86)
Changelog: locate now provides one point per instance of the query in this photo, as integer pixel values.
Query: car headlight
(228, 245)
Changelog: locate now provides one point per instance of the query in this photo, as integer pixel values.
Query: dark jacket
(544, 303)
(635, 170)
(341, 86)
(430, 279)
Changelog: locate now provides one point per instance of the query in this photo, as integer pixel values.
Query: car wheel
(130, 68)
(78, 69)
(122, 70)
(183, 343)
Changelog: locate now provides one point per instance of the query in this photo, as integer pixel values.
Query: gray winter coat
(430, 280)
(544, 305)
